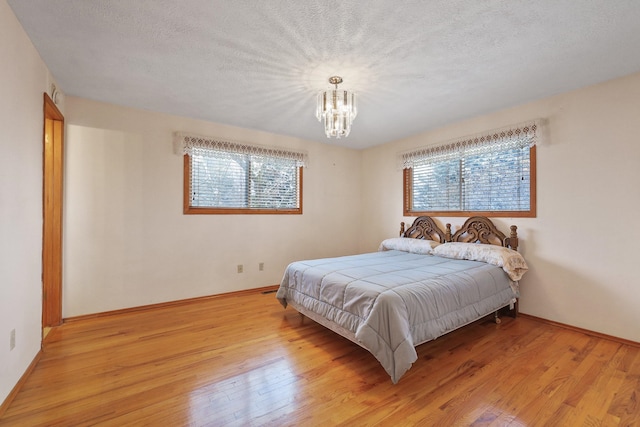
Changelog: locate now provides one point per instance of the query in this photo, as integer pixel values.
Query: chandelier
(338, 109)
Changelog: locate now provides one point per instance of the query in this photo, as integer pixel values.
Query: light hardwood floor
(244, 360)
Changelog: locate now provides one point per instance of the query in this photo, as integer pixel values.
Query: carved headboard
(481, 229)
(477, 229)
(424, 228)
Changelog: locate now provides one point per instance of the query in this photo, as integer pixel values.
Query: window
(491, 175)
(223, 177)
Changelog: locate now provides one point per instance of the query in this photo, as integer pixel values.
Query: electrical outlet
(240, 268)
(12, 339)
(261, 266)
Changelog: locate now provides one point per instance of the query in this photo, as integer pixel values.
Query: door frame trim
(52, 203)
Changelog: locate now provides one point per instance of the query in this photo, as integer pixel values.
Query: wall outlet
(261, 266)
(240, 268)
(12, 339)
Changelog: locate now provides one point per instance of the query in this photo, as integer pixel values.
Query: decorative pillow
(407, 244)
(511, 261)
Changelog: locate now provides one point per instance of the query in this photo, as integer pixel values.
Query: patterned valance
(516, 136)
(184, 143)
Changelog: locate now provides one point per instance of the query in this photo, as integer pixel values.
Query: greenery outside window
(222, 177)
(493, 174)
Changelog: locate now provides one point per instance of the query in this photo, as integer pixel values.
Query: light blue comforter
(392, 301)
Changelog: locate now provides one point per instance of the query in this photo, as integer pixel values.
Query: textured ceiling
(416, 64)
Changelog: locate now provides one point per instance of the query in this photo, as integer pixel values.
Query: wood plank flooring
(243, 360)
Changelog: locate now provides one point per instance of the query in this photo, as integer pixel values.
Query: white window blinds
(490, 172)
(229, 175)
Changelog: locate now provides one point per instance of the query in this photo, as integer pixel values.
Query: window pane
(497, 180)
(219, 181)
(274, 183)
(436, 186)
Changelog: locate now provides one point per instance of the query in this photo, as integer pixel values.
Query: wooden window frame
(192, 210)
(531, 213)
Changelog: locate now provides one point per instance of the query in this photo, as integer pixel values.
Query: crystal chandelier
(338, 109)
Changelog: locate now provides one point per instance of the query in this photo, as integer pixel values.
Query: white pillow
(407, 244)
(511, 261)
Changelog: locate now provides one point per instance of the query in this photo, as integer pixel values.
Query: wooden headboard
(477, 229)
(481, 230)
(424, 228)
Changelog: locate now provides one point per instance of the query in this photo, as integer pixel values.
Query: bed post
(447, 236)
(513, 243)
(402, 229)
(512, 240)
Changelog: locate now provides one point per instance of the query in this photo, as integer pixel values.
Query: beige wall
(24, 78)
(127, 242)
(581, 248)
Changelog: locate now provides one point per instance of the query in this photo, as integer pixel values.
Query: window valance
(184, 143)
(515, 136)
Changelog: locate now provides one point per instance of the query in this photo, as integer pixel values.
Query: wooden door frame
(52, 182)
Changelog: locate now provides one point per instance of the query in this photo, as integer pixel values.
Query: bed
(415, 288)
